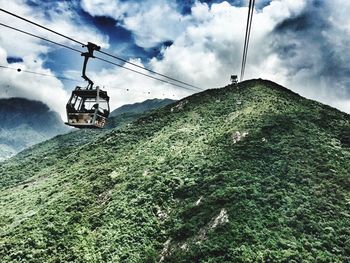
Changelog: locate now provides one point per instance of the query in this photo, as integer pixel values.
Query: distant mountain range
(141, 107)
(25, 123)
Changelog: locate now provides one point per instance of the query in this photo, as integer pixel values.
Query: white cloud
(112, 8)
(151, 21)
(61, 19)
(210, 49)
(278, 10)
(14, 44)
(155, 23)
(207, 47)
(310, 52)
(21, 84)
(126, 87)
(206, 50)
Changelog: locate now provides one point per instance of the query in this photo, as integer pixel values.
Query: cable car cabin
(88, 108)
(234, 79)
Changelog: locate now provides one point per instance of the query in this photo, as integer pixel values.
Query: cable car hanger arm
(90, 54)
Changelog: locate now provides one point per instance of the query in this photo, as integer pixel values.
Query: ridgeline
(253, 173)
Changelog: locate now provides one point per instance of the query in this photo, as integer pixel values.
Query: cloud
(302, 44)
(112, 8)
(151, 21)
(126, 87)
(210, 49)
(313, 47)
(20, 84)
(207, 43)
(60, 17)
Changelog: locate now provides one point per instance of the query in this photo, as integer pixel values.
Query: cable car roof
(83, 93)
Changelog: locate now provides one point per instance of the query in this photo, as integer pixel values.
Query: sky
(301, 44)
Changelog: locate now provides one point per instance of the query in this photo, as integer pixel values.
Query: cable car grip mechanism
(89, 54)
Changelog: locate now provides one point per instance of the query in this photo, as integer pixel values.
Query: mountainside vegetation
(25, 123)
(247, 173)
(130, 112)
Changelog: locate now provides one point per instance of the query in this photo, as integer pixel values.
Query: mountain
(142, 107)
(25, 123)
(130, 112)
(253, 173)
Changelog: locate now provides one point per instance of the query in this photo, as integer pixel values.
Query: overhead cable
(38, 73)
(41, 38)
(107, 61)
(102, 52)
(19, 70)
(149, 70)
(38, 25)
(135, 71)
(247, 37)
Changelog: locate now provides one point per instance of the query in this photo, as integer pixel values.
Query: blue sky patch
(11, 60)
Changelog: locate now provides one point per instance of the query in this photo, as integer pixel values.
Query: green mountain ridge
(130, 112)
(253, 173)
(141, 107)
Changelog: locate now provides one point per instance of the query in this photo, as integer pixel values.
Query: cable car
(88, 107)
(234, 80)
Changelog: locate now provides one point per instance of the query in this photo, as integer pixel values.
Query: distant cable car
(88, 107)
(234, 80)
